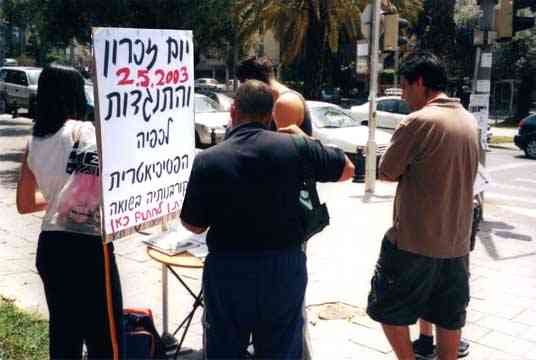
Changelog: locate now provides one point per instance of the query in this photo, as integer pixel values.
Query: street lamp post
(370, 175)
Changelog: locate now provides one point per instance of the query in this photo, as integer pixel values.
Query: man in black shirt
(245, 191)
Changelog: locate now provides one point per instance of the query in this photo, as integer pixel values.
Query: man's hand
(293, 130)
(195, 229)
(348, 171)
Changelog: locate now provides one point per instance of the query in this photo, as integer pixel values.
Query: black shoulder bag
(314, 216)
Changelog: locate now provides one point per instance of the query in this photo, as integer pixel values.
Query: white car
(18, 89)
(333, 126)
(225, 101)
(390, 111)
(209, 83)
(210, 121)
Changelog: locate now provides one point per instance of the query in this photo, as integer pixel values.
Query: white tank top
(47, 158)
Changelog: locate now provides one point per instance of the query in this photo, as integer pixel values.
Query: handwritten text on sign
(145, 89)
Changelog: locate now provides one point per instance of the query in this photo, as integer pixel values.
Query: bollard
(360, 161)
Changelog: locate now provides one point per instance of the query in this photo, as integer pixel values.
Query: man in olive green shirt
(421, 272)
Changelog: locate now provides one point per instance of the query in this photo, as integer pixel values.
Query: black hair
(426, 65)
(255, 68)
(254, 98)
(60, 96)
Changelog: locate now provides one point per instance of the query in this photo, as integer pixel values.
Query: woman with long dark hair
(71, 262)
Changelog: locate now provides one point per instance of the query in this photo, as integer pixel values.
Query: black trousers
(71, 267)
(259, 295)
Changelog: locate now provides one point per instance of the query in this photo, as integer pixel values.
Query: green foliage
(516, 59)
(55, 23)
(387, 76)
(437, 28)
(306, 30)
(24, 60)
(22, 335)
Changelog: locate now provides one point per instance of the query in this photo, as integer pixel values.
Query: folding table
(182, 260)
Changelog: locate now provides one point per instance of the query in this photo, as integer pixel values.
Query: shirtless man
(289, 105)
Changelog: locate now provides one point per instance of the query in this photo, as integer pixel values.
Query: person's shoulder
(413, 119)
(289, 97)
(289, 100)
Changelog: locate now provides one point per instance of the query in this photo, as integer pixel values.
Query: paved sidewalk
(502, 313)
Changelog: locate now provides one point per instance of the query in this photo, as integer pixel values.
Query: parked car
(224, 100)
(10, 62)
(210, 121)
(393, 92)
(208, 83)
(90, 101)
(390, 111)
(331, 95)
(231, 83)
(18, 89)
(333, 126)
(526, 136)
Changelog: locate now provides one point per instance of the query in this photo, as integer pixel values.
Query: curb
(507, 146)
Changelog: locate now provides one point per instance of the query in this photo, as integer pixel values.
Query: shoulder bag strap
(303, 150)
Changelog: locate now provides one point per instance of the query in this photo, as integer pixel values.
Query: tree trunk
(315, 46)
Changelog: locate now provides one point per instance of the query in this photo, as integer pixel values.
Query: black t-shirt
(245, 189)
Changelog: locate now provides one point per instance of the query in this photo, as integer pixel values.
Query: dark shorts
(408, 286)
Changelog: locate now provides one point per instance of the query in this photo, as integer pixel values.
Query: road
(512, 194)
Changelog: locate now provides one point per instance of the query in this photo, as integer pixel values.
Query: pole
(397, 65)
(370, 175)
(482, 72)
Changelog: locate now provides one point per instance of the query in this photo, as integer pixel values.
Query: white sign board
(483, 86)
(145, 94)
(479, 107)
(485, 60)
(362, 48)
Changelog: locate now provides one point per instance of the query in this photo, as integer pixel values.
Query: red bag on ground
(142, 341)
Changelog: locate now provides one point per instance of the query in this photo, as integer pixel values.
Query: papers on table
(177, 240)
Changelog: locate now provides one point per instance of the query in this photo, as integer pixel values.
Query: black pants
(259, 295)
(72, 269)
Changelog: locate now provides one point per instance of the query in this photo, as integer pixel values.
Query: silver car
(210, 121)
(18, 89)
(333, 126)
(390, 111)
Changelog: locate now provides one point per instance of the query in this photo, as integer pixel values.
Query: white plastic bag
(78, 207)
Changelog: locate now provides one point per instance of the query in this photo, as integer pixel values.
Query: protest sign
(145, 124)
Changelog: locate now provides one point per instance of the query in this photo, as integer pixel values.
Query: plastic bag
(79, 201)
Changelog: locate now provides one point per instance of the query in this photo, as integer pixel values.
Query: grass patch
(501, 139)
(505, 125)
(22, 335)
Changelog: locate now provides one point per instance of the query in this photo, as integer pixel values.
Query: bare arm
(29, 199)
(288, 110)
(294, 130)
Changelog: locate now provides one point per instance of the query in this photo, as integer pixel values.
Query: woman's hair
(60, 96)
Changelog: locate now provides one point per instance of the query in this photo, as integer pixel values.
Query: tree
(303, 27)
(21, 14)
(436, 28)
(516, 60)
